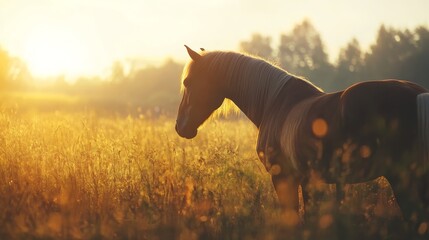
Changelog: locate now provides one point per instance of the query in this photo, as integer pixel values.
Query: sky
(84, 37)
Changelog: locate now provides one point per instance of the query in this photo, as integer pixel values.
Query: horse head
(201, 95)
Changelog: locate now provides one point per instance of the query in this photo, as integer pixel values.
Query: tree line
(399, 54)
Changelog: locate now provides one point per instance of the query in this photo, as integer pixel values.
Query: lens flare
(319, 127)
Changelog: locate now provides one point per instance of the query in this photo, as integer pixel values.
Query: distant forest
(397, 53)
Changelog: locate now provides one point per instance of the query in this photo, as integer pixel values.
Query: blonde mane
(245, 72)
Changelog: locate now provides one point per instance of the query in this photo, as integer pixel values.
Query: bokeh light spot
(319, 127)
(291, 218)
(423, 228)
(204, 218)
(365, 151)
(325, 221)
(275, 169)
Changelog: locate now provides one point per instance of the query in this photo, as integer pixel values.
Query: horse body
(366, 131)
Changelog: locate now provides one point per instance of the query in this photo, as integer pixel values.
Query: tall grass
(81, 176)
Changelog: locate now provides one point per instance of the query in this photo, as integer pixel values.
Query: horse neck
(254, 85)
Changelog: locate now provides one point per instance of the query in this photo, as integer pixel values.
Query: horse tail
(423, 127)
(423, 131)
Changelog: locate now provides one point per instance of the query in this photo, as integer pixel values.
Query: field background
(85, 175)
(97, 157)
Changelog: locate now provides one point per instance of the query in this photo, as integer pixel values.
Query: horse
(371, 129)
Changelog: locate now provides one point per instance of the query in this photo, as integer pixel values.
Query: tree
(14, 73)
(302, 52)
(4, 68)
(19, 76)
(118, 72)
(417, 66)
(258, 45)
(389, 55)
(349, 66)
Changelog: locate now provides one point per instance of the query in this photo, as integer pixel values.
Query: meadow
(85, 175)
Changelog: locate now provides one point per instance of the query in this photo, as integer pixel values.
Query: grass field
(84, 176)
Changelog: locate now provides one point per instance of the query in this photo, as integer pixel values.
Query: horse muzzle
(185, 131)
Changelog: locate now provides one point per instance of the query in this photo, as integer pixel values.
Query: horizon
(94, 34)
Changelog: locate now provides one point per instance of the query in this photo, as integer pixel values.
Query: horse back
(379, 120)
(382, 110)
(354, 133)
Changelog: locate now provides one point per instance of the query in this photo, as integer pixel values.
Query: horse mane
(252, 73)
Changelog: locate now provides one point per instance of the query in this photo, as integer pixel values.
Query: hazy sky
(86, 36)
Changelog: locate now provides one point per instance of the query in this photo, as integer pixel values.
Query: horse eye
(186, 82)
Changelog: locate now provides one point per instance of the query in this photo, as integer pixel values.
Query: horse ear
(194, 55)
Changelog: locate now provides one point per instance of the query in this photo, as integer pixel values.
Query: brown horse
(371, 129)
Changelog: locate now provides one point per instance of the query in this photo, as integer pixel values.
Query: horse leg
(423, 191)
(339, 193)
(411, 195)
(287, 192)
(305, 198)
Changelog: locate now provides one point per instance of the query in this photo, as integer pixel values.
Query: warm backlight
(52, 52)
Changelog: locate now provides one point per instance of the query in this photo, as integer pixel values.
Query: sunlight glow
(51, 51)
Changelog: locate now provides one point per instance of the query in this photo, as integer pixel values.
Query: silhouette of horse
(371, 129)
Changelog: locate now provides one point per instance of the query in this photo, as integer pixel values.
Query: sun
(54, 51)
